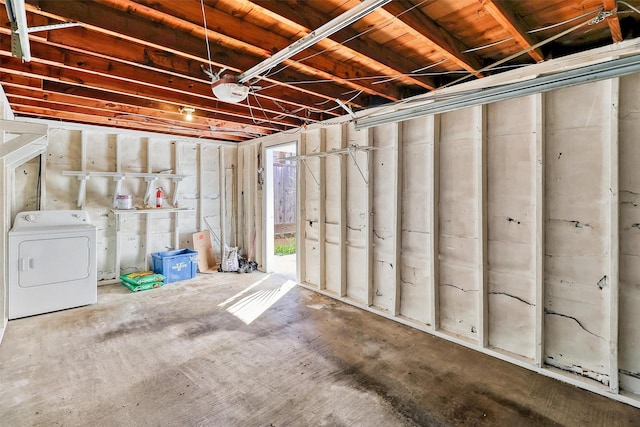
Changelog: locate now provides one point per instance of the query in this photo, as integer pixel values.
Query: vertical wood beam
(322, 211)
(5, 225)
(82, 194)
(239, 196)
(369, 220)
(614, 236)
(434, 226)
(147, 218)
(301, 192)
(343, 213)
(258, 196)
(201, 184)
(613, 21)
(222, 196)
(540, 217)
(480, 143)
(251, 194)
(176, 215)
(397, 205)
(118, 218)
(43, 182)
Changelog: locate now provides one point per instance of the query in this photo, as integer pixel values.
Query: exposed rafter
(512, 25)
(441, 40)
(138, 63)
(612, 20)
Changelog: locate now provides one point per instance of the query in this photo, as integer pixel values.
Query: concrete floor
(252, 350)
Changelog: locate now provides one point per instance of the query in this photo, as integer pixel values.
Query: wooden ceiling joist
(48, 111)
(155, 35)
(512, 25)
(63, 94)
(90, 80)
(136, 63)
(161, 14)
(379, 59)
(612, 20)
(441, 40)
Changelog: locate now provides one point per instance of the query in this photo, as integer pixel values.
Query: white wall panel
(511, 225)
(629, 334)
(94, 149)
(459, 287)
(507, 231)
(415, 300)
(384, 216)
(576, 316)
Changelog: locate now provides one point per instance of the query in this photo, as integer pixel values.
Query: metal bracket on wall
(351, 150)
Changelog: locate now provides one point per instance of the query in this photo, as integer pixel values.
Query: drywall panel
(458, 228)
(313, 143)
(577, 195)
(358, 217)
(629, 334)
(334, 140)
(415, 299)
(385, 139)
(26, 185)
(210, 195)
(508, 229)
(511, 163)
(126, 241)
(64, 153)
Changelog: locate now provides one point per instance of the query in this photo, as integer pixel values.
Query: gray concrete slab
(252, 350)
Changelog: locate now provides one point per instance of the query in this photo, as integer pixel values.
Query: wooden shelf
(149, 211)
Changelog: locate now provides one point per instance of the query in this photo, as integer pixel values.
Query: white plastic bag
(230, 259)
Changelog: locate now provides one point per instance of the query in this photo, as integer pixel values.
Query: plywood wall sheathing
(511, 228)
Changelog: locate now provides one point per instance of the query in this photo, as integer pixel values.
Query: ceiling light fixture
(336, 24)
(188, 112)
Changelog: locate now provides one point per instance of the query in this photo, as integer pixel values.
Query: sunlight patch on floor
(252, 306)
(244, 291)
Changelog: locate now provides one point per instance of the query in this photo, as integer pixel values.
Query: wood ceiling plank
(174, 67)
(444, 42)
(23, 107)
(288, 18)
(91, 80)
(512, 25)
(612, 21)
(322, 66)
(131, 28)
(61, 93)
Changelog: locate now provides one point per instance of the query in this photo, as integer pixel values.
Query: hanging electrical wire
(530, 48)
(628, 5)
(340, 44)
(206, 36)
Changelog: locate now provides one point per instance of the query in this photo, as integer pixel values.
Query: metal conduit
(588, 74)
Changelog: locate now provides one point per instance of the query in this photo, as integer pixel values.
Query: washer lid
(31, 220)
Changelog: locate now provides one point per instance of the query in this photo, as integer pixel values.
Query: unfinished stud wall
(125, 241)
(512, 228)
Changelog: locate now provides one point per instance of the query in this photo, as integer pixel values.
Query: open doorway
(281, 218)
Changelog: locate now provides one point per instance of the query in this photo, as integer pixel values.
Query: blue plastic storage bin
(180, 264)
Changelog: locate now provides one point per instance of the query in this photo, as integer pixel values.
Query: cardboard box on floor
(202, 245)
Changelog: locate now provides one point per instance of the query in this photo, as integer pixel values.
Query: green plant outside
(287, 248)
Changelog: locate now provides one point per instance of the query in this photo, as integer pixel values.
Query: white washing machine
(52, 262)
